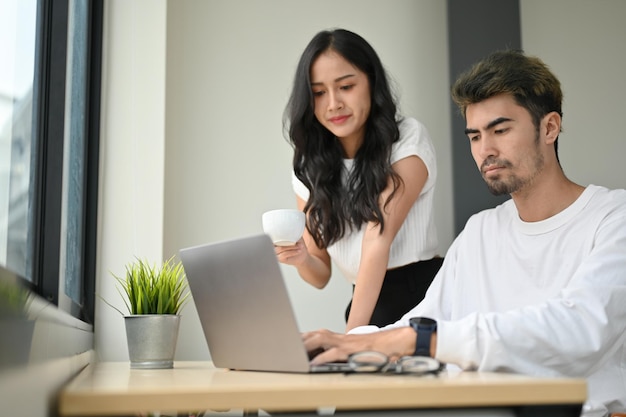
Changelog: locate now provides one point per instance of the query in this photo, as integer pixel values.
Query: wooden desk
(115, 389)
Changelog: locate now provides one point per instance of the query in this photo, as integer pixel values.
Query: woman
(365, 179)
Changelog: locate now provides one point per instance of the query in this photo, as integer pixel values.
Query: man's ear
(551, 127)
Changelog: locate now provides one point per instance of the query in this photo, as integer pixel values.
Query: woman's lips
(338, 119)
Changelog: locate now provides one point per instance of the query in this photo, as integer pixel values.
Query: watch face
(423, 321)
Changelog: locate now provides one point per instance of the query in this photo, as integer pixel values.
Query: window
(49, 122)
(17, 47)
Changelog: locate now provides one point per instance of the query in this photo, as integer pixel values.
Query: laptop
(244, 307)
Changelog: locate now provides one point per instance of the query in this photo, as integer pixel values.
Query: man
(536, 285)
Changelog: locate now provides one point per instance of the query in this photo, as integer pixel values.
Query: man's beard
(502, 186)
(509, 185)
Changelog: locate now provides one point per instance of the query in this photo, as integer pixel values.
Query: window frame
(49, 87)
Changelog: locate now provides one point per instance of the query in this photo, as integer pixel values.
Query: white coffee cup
(284, 226)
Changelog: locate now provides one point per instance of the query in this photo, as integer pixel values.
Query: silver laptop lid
(243, 305)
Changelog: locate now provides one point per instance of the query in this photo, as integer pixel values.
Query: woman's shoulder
(414, 140)
(408, 125)
(413, 131)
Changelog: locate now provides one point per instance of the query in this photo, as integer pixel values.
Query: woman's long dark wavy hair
(333, 208)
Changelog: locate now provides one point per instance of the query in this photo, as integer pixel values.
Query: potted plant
(154, 297)
(16, 325)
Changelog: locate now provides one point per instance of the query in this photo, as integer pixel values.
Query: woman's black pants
(403, 288)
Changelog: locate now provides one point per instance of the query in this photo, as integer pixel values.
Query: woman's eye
(347, 87)
(318, 93)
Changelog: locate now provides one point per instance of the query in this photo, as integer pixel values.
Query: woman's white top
(417, 238)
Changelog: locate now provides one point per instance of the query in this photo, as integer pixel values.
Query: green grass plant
(14, 300)
(149, 289)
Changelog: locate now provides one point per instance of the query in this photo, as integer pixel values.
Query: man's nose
(487, 146)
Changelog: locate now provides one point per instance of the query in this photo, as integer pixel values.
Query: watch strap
(424, 328)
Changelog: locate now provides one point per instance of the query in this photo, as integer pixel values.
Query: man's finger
(330, 355)
(315, 340)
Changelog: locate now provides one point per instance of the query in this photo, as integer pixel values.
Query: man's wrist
(433, 345)
(425, 330)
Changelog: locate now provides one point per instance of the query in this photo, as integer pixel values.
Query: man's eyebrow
(343, 77)
(490, 125)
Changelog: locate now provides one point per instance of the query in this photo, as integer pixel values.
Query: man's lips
(492, 169)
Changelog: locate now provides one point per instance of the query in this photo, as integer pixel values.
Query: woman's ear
(551, 127)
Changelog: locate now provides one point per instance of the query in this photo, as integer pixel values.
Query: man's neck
(546, 197)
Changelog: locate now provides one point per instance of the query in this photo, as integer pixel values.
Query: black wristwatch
(424, 327)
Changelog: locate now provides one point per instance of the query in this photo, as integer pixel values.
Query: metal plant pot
(152, 340)
(16, 336)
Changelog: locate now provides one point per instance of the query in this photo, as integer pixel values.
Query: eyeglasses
(372, 362)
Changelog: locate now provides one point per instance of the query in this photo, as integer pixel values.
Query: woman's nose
(334, 101)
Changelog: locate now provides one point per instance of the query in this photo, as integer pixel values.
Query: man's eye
(474, 138)
(501, 131)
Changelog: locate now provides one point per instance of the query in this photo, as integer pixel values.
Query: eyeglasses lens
(368, 361)
(417, 365)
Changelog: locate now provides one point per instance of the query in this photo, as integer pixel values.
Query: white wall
(230, 66)
(131, 155)
(583, 43)
(194, 94)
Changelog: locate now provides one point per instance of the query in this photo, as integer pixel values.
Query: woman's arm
(312, 263)
(376, 246)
